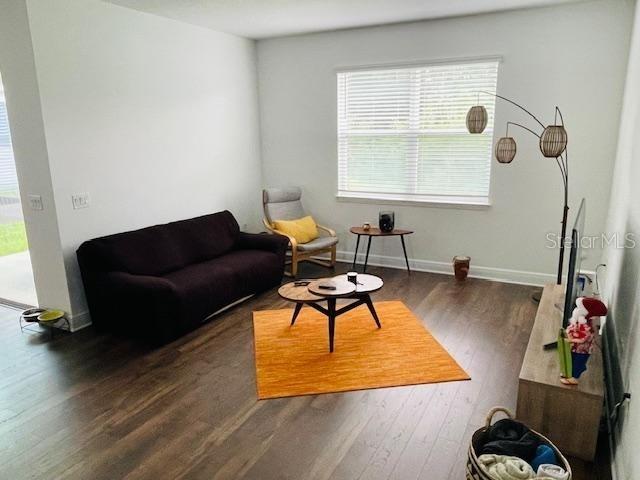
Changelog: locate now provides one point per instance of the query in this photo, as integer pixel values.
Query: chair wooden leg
(294, 263)
(333, 256)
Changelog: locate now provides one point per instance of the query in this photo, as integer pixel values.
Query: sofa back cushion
(164, 248)
(206, 237)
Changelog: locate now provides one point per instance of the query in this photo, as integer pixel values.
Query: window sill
(469, 203)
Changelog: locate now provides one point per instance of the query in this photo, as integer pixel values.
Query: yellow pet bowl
(50, 316)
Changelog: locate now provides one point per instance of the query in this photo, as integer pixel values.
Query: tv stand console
(568, 415)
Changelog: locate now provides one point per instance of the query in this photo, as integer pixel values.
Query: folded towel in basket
(502, 467)
(553, 472)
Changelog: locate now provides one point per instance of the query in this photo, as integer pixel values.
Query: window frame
(436, 200)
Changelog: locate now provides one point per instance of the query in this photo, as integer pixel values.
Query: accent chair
(286, 204)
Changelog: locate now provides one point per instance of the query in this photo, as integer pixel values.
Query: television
(573, 272)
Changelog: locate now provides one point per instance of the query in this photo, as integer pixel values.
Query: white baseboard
(79, 321)
(488, 273)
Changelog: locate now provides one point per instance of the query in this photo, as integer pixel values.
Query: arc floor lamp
(552, 143)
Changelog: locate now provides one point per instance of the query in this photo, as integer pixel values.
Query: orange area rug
(296, 360)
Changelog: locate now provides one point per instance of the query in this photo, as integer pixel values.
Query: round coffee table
(340, 287)
(365, 283)
(312, 295)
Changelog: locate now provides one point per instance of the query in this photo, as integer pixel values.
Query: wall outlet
(35, 202)
(80, 200)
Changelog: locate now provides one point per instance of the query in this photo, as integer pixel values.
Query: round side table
(376, 232)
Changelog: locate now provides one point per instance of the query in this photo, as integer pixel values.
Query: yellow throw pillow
(303, 229)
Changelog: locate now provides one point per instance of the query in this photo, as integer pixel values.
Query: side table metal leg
(296, 312)
(366, 258)
(355, 255)
(331, 303)
(404, 249)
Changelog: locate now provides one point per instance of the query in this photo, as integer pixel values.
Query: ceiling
(273, 18)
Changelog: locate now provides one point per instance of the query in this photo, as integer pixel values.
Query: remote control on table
(301, 283)
(326, 287)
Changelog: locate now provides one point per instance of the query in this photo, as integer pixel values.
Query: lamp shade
(477, 119)
(553, 141)
(506, 150)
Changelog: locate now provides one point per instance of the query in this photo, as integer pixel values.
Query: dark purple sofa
(159, 282)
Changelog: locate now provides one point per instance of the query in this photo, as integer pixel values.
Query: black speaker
(386, 221)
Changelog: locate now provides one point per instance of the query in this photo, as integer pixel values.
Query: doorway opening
(16, 274)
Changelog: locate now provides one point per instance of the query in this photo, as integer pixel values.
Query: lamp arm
(562, 172)
(521, 126)
(558, 112)
(566, 176)
(564, 161)
(566, 165)
(516, 104)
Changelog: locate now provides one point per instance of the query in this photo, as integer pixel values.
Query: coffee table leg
(331, 303)
(404, 249)
(366, 259)
(372, 309)
(355, 255)
(296, 312)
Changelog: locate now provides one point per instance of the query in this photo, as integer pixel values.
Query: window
(8, 178)
(402, 133)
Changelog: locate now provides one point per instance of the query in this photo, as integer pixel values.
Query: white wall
(30, 152)
(572, 56)
(622, 292)
(157, 120)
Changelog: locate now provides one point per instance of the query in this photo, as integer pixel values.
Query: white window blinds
(8, 178)
(402, 132)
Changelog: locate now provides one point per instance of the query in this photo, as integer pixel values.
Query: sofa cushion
(164, 248)
(149, 251)
(206, 287)
(206, 237)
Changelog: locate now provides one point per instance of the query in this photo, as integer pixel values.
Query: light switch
(80, 200)
(35, 202)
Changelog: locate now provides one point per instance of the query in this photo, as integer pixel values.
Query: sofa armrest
(142, 305)
(263, 241)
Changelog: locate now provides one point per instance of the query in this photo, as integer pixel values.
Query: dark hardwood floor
(90, 406)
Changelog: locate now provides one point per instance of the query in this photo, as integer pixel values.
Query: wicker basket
(474, 472)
